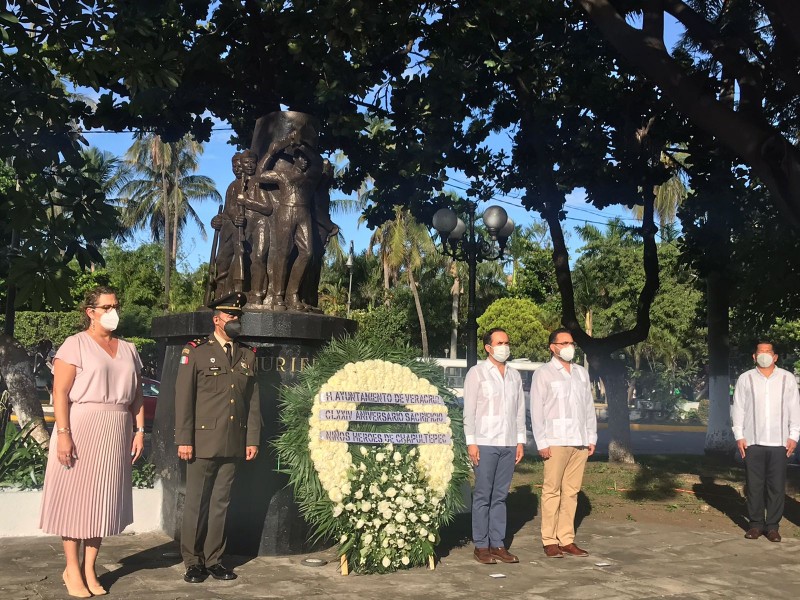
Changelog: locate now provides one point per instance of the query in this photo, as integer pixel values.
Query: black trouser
(208, 493)
(765, 467)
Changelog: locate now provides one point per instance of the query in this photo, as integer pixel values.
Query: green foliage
(608, 277)
(523, 320)
(293, 445)
(143, 474)
(32, 327)
(22, 460)
(382, 325)
(147, 349)
(188, 288)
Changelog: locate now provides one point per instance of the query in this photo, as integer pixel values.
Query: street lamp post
(460, 242)
(349, 265)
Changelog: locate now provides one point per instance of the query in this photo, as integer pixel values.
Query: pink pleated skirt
(94, 498)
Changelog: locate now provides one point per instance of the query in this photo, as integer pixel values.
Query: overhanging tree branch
(772, 157)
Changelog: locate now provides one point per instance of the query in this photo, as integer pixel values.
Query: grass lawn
(687, 490)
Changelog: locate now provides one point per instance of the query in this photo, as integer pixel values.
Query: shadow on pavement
(522, 506)
(584, 509)
(159, 557)
(723, 497)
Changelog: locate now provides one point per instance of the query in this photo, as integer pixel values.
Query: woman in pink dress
(97, 398)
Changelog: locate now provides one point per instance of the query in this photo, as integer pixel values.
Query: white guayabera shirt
(766, 410)
(562, 407)
(494, 406)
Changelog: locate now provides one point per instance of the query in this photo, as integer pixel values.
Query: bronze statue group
(271, 235)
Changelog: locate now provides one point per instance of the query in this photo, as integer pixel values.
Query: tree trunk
(387, 273)
(167, 260)
(16, 368)
(422, 329)
(619, 424)
(455, 291)
(175, 192)
(719, 435)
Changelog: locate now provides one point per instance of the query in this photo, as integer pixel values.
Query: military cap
(231, 304)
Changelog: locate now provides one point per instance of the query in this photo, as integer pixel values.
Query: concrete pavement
(644, 561)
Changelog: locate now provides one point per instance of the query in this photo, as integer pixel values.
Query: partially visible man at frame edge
(494, 428)
(565, 431)
(766, 425)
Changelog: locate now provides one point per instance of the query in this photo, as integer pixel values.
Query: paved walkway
(645, 561)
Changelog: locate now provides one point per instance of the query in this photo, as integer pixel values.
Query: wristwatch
(139, 430)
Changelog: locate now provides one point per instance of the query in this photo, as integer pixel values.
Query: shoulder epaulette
(197, 342)
(248, 347)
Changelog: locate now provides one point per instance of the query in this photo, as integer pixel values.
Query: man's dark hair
(487, 337)
(554, 334)
(764, 341)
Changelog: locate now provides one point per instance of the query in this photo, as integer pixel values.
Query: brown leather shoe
(753, 533)
(503, 555)
(573, 550)
(773, 536)
(483, 556)
(553, 551)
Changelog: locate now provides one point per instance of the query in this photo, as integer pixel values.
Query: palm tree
(381, 238)
(669, 196)
(405, 243)
(158, 192)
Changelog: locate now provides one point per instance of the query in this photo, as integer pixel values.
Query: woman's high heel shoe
(98, 591)
(75, 592)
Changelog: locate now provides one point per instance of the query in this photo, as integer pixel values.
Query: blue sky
(215, 163)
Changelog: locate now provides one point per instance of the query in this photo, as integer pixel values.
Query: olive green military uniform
(217, 412)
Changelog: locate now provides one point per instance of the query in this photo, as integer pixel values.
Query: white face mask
(567, 353)
(501, 353)
(110, 320)
(764, 360)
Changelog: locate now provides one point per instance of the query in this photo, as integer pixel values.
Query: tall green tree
(159, 191)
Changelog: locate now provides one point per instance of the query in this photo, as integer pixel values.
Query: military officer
(217, 422)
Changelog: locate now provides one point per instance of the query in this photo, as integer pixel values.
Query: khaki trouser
(563, 475)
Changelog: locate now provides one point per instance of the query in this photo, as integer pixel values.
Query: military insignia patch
(213, 360)
(244, 365)
(185, 351)
(184, 360)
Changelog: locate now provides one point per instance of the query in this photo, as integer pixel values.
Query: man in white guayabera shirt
(766, 425)
(565, 431)
(494, 427)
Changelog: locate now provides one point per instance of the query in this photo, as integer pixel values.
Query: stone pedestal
(263, 518)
